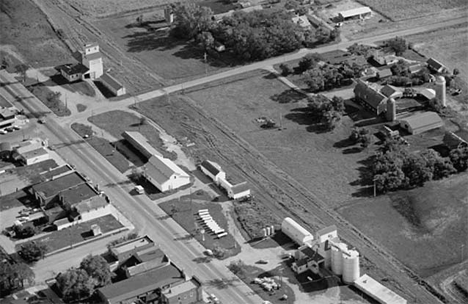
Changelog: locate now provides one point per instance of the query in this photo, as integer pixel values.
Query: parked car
(3, 131)
(15, 127)
(9, 129)
(214, 299)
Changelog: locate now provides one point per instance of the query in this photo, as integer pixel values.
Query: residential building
(123, 251)
(7, 117)
(141, 143)
(384, 73)
(165, 174)
(421, 122)
(339, 57)
(112, 84)
(91, 209)
(89, 66)
(72, 71)
(302, 21)
(307, 258)
(355, 13)
(47, 193)
(34, 156)
(213, 171)
(384, 57)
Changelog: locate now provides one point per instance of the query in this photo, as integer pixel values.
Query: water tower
(440, 89)
(391, 110)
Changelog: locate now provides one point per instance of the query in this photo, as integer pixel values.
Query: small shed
(355, 13)
(112, 84)
(421, 122)
(435, 65)
(212, 170)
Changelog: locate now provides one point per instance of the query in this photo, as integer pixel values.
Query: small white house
(212, 170)
(93, 208)
(165, 174)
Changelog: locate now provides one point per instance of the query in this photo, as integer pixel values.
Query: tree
(22, 70)
(331, 119)
(440, 167)
(32, 251)
(398, 45)
(237, 267)
(98, 269)
(23, 232)
(206, 39)
(360, 136)
(75, 284)
(285, 69)
(338, 104)
(190, 20)
(456, 72)
(400, 68)
(13, 277)
(459, 158)
(360, 49)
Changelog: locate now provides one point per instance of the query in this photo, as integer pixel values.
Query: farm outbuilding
(421, 122)
(377, 291)
(165, 174)
(141, 143)
(435, 65)
(296, 232)
(355, 13)
(371, 98)
(212, 170)
(112, 84)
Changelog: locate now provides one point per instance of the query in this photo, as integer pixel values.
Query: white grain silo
(337, 258)
(441, 91)
(351, 270)
(296, 232)
(391, 110)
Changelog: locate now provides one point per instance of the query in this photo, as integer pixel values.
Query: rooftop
(72, 69)
(34, 153)
(92, 56)
(47, 175)
(161, 169)
(141, 140)
(137, 285)
(377, 291)
(111, 81)
(212, 167)
(78, 193)
(356, 11)
(239, 188)
(6, 113)
(94, 203)
(422, 119)
(53, 187)
(132, 244)
(181, 288)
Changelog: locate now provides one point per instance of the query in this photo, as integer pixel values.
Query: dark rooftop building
(56, 172)
(46, 192)
(77, 194)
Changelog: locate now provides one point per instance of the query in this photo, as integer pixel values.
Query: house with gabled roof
(435, 65)
(165, 174)
(212, 170)
(390, 91)
(112, 84)
(89, 65)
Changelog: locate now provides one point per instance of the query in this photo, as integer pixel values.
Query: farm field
(403, 9)
(25, 28)
(424, 228)
(110, 7)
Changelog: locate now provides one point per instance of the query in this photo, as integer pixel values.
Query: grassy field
(403, 9)
(239, 101)
(56, 105)
(116, 122)
(111, 7)
(78, 233)
(26, 28)
(424, 228)
(184, 211)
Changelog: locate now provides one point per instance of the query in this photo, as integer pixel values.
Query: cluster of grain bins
(345, 262)
(296, 232)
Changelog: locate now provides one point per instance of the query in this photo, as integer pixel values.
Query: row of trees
(396, 168)
(80, 283)
(250, 36)
(326, 111)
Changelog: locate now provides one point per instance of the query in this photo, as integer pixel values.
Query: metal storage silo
(351, 271)
(337, 259)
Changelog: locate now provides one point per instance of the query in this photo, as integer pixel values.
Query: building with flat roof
(34, 156)
(77, 194)
(56, 172)
(126, 249)
(165, 174)
(141, 143)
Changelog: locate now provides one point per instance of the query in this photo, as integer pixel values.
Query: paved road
(141, 211)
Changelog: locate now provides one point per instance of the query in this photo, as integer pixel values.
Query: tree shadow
(344, 143)
(352, 150)
(365, 180)
(202, 260)
(222, 283)
(304, 116)
(288, 96)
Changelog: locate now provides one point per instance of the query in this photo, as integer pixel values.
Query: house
(302, 21)
(455, 140)
(166, 284)
(89, 65)
(47, 193)
(92, 208)
(165, 174)
(112, 84)
(72, 72)
(384, 57)
(123, 251)
(339, 57)
(384, 73)
(141, 143)
(307, 258)
(435, 65)
(355, 13)
(56, 172)
(34, 156)
(212, 170)
(370, 97)
(415, 67)
(421, 122)
(7, 117)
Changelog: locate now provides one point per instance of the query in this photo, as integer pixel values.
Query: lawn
(26, 28)
(110, 7)
(402, 9)
(103, 147)
(424, 228)
(55, 104)
(78, 233)
(116, 122)
(15, 199)
(184, 211)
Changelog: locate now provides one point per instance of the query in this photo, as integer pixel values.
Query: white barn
(355, 13)
(296, 232)
(165, 174)
(213, 171)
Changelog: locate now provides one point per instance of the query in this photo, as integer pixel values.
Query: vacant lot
(403, 9)
(110, 7)
(424, 228)
(25, 27)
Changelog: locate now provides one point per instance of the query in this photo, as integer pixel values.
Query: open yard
(425, 228)
(404, 9)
